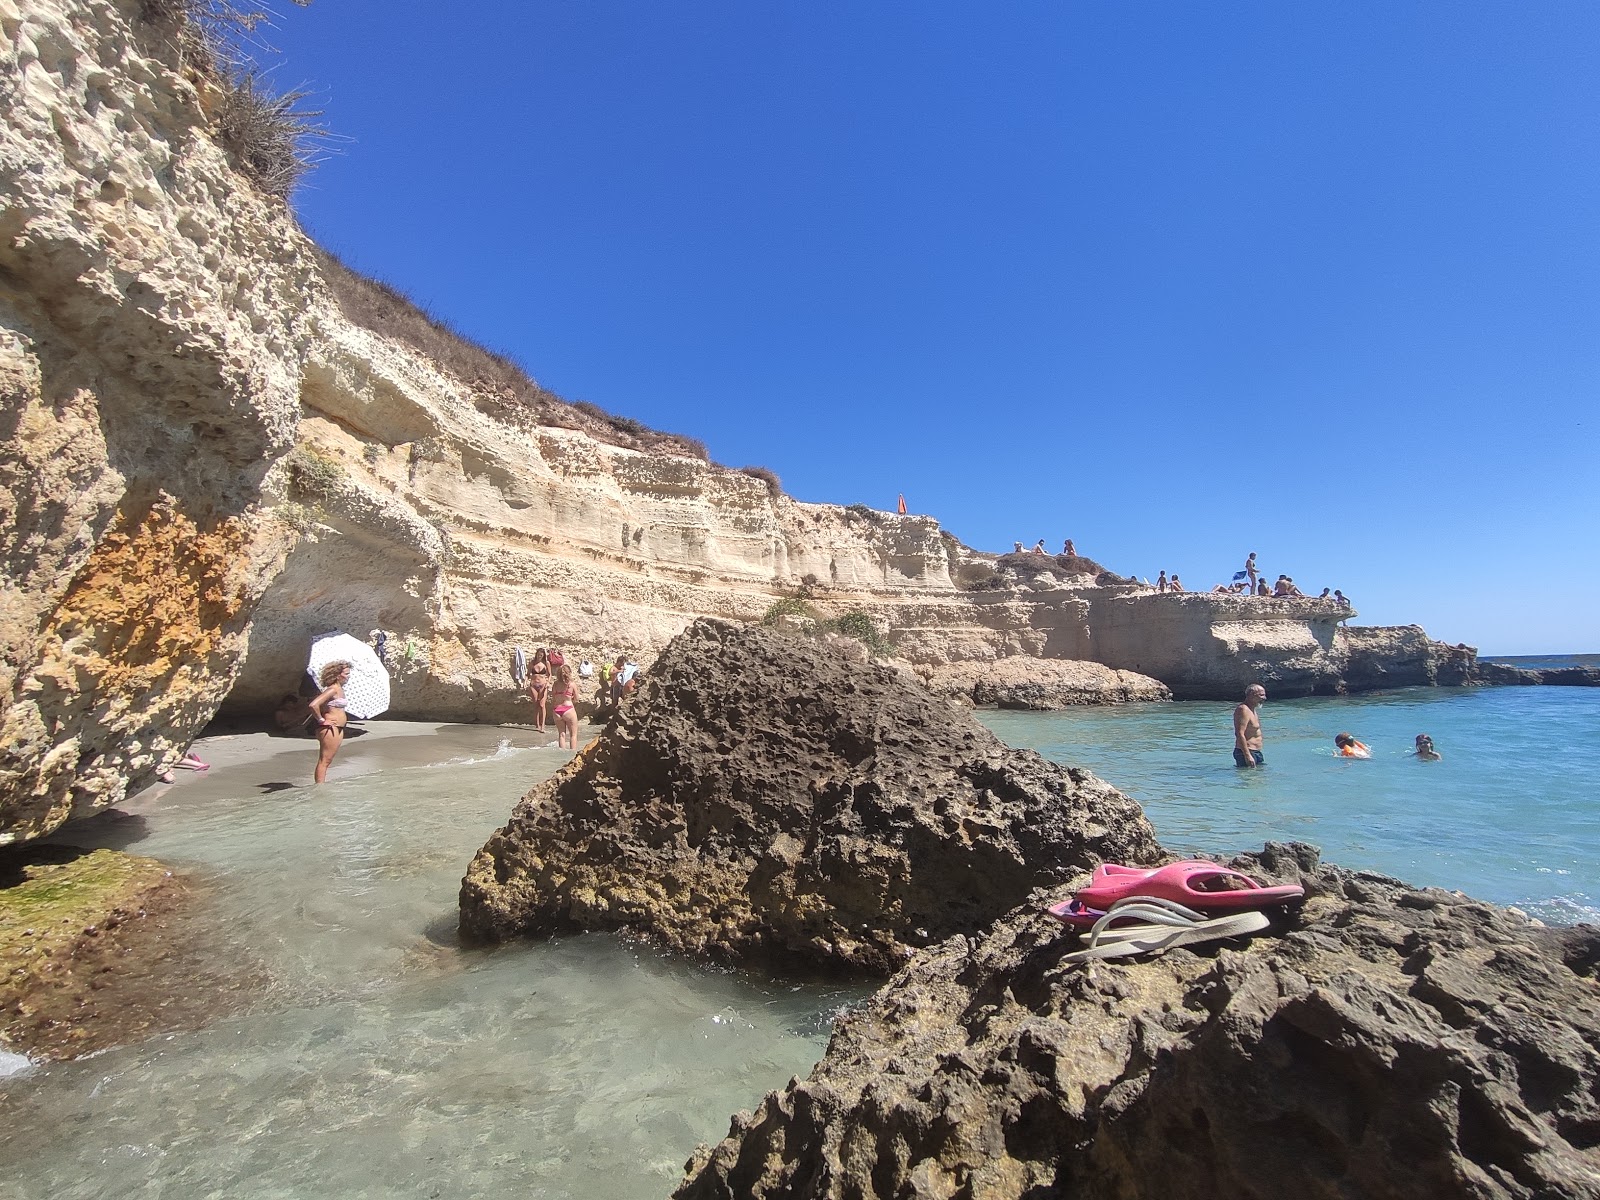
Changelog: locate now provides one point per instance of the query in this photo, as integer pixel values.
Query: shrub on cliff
(767, 476)
(270, 136)
(858, 623)
(500, 388)
(312, 473)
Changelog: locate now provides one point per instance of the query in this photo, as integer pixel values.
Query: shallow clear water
(1509, 815)
(384, 1060)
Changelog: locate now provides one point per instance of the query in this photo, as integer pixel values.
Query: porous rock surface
(1380, 1042)
(151, 316)
(762, 797)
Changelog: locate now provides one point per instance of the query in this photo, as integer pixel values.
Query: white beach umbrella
(367, 692)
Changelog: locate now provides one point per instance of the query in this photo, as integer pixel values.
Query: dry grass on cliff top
(271, 136)
(501, 388)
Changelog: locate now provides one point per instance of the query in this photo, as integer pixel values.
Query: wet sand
(264, 763)
(129, 950)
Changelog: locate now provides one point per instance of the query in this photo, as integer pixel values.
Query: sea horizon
(1543, 662)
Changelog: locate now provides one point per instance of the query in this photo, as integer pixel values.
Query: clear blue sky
(1178, 280)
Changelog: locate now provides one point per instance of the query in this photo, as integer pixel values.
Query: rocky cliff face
(1379, 1041)
(150, 318)
(1209, 646)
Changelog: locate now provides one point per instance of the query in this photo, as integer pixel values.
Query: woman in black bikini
(327, 712)
(539, 685)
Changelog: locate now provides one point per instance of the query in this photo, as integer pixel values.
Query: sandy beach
(263, 763)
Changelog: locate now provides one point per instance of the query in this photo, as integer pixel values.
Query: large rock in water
(1387, 1043)
(760, 795)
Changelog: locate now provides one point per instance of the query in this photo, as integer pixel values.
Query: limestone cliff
(209, 456)
(150, 328)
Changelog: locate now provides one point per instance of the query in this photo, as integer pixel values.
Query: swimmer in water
(1346, 746)
(1425, 751)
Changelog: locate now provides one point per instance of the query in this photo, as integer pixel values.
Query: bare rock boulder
(761, 796)
(1380, 1042)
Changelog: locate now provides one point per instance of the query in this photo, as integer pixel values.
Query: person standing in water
(565, 693)
(1425, 751)
(1247, 728)
(539, 685)
(327, 711)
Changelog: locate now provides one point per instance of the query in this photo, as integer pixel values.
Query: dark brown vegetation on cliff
(501, 389)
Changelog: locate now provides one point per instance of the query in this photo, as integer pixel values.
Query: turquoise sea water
(382, 1059)
(1511, 814)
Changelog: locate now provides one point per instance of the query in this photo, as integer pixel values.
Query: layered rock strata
(1042, 684)
(762, 797)
(1381, 1041)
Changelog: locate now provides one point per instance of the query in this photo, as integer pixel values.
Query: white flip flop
(1159, 925)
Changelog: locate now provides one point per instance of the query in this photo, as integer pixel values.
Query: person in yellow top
(1346, 746)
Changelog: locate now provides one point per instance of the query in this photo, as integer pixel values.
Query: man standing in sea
(1247, 728)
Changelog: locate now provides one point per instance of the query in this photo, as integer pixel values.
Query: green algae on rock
(94, 952)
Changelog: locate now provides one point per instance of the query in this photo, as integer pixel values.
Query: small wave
(1562, 910)
(503, 751)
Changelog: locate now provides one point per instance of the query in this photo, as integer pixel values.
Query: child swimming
(1346, 746)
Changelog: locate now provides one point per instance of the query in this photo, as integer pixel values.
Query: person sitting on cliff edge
(1038, 547)
(1176, 584)
(1247, 728)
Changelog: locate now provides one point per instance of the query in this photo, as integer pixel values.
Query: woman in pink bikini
(328, 715)
(539, 685)
(565, 693)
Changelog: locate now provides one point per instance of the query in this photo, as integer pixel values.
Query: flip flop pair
(1194, 882)
(1158, 925)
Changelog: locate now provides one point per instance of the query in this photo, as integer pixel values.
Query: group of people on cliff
(1067, 548)
(551, 680)
(1250, 582)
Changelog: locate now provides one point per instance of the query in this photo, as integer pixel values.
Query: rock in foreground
(1389, 1043)
(761, 796)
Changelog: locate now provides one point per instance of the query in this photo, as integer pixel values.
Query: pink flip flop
(1112, 881)
(1195, 882)
(1208, 885)
(1075, 914)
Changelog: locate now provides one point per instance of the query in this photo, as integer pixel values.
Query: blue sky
(1180, 281)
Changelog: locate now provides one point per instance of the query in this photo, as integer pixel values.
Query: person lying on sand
(1348, 747)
